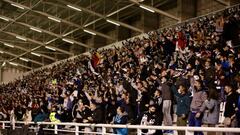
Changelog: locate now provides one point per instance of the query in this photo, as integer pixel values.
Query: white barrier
(103, 127)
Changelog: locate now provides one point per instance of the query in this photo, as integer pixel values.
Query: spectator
(199, 96)
(211, 110)
(230, 108)
(131, 75)
(54, 116)
(183, 106)
(120, 118)
(27, 118)
(149, 118)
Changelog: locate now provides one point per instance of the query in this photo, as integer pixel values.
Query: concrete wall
(9, 74)
(207, 6)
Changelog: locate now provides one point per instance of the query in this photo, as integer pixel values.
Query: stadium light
(113, 22)
(18, 6)
(3, 18)
(54, 19)
(92, 33)
(14, 64)
(35, 29)
(75, 8)
(24, 59)
(36, 54)
(50, 48)
(68, 40)
(21, 38)
(6, 44)
(146, 8)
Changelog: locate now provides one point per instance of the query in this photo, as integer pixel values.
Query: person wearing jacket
(230, 108)
(167, 102)
(120, 118)
(211, 110)
(183, 106)
(199, 96)
(53, 116)
(80, 112)
(149, 117)
(96, 116)
(27, 118)
(157, 101)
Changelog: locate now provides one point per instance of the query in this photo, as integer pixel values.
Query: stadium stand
(187, 70)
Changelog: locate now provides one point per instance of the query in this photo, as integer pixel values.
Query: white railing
(103, 128)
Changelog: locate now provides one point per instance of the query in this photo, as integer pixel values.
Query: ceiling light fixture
(4, 63)
(14, 64)
(90, 32)
(3, 18)
(54, 19)
(75, 8)
(35, 29)
(113, 22)
(50, 48)
(68, 40)
(36, 54)
(6, 44)
(21, 38)
(24, 59)
(18, 6)
(146, 8)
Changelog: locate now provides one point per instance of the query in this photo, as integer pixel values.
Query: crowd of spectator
(194, 66)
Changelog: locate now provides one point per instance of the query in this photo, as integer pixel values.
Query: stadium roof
(34, 33)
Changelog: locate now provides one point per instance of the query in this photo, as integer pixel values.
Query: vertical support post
(187, 132)
(38, 128)
(104, 130)
(55, 129)
(139, 131)
(3, 126)
(76, 130)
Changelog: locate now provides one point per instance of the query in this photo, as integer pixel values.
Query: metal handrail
(189, 130)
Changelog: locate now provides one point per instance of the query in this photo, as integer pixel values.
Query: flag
(96, 58)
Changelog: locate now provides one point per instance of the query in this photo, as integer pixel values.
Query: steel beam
(67, 22)
(14, 55)
(157, 10)
(105, 17)
(45, 31)
(24, 49)
(223, 2)
(28, 39)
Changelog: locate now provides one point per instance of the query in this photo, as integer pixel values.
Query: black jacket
(231, 105)
(97, 115)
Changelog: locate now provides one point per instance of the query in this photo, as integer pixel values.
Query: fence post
(104, 130)
(139, 131)
(55, 129)
(76, 130)
(38, 128)
(3, 126)
(187, 132)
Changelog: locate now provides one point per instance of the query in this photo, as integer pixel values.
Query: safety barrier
(104, 128)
